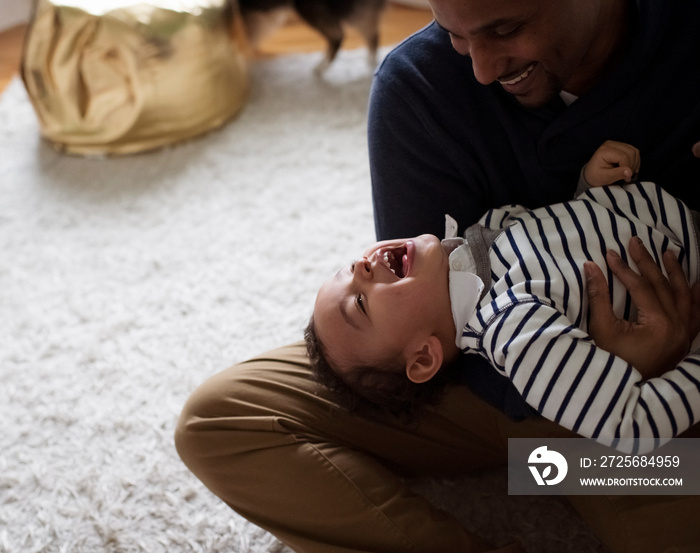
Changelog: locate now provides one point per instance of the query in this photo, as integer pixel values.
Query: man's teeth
(519, 78)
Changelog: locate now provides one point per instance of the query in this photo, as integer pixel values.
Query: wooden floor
(10, 53)
(294, 37)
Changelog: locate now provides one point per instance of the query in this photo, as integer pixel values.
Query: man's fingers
(659, 337)
(694, 323)
(679, 288)
(600, 306)
(650, 277)
(639, 288)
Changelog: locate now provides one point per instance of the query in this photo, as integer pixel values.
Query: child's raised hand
(612, 162)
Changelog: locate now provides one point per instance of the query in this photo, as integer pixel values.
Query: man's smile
(524, 75)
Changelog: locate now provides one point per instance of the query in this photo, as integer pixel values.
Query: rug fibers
(126, 282)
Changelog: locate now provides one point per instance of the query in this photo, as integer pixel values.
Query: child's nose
(363, 268)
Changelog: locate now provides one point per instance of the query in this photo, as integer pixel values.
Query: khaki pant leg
(643, 524)
(271, 444)
(274, 447)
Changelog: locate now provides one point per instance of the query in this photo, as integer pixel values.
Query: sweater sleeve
(418, 171)
(565, 377)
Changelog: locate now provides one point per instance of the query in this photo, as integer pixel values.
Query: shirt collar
(464, 285)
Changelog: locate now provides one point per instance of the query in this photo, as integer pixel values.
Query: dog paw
(322, 67)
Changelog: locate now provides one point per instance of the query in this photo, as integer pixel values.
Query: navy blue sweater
(440, 142)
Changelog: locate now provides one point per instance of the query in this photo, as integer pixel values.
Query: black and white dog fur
(328, 17)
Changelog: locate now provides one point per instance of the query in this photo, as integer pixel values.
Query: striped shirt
(531, 322)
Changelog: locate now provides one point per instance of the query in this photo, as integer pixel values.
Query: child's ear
(424, 362)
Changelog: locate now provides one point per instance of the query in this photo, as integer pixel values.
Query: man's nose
(460, 44)
(487, 62)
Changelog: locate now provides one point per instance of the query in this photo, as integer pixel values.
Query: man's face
(534, 48)
(374, 308)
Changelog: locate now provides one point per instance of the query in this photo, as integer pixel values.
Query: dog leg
(372, 47)
(321, 17)
(331, 53)
(366, 21)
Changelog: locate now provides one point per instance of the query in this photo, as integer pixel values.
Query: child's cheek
(408, 297)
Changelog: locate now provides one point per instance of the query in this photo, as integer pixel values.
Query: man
(467, 115)
(472, 113)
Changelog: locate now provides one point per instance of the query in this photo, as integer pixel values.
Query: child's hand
(612, 162)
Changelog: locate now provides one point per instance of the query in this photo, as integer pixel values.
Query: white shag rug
(124, 283)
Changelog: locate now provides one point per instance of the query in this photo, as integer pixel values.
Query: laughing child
(512, 290)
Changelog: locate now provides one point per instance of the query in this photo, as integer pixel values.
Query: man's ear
(424, 361)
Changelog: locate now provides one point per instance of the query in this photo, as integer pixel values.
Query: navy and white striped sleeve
(565, 377)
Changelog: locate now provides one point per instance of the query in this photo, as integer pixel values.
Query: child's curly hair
(374, 391)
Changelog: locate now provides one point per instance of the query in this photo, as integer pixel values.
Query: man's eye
(360, 303)
(508, 30)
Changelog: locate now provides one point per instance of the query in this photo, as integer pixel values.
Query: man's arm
(415, 179)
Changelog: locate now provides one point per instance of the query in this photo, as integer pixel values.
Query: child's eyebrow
(340, 272)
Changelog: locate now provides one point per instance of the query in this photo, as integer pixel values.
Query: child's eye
(352, 266)
(360, 303)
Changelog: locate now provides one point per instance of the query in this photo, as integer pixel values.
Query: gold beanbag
(117, 76)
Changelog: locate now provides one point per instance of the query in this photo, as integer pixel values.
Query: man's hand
(668, 317)
(696, 149)
(612, 162)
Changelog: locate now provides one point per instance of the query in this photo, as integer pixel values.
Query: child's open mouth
(395, 259)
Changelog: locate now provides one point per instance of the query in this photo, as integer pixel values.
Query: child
(512, 291)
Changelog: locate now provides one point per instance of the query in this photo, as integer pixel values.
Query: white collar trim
(464, 285)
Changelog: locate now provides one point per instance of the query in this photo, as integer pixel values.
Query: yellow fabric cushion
(111, 77)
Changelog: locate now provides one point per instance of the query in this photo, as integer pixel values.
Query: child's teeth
(385, 256)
